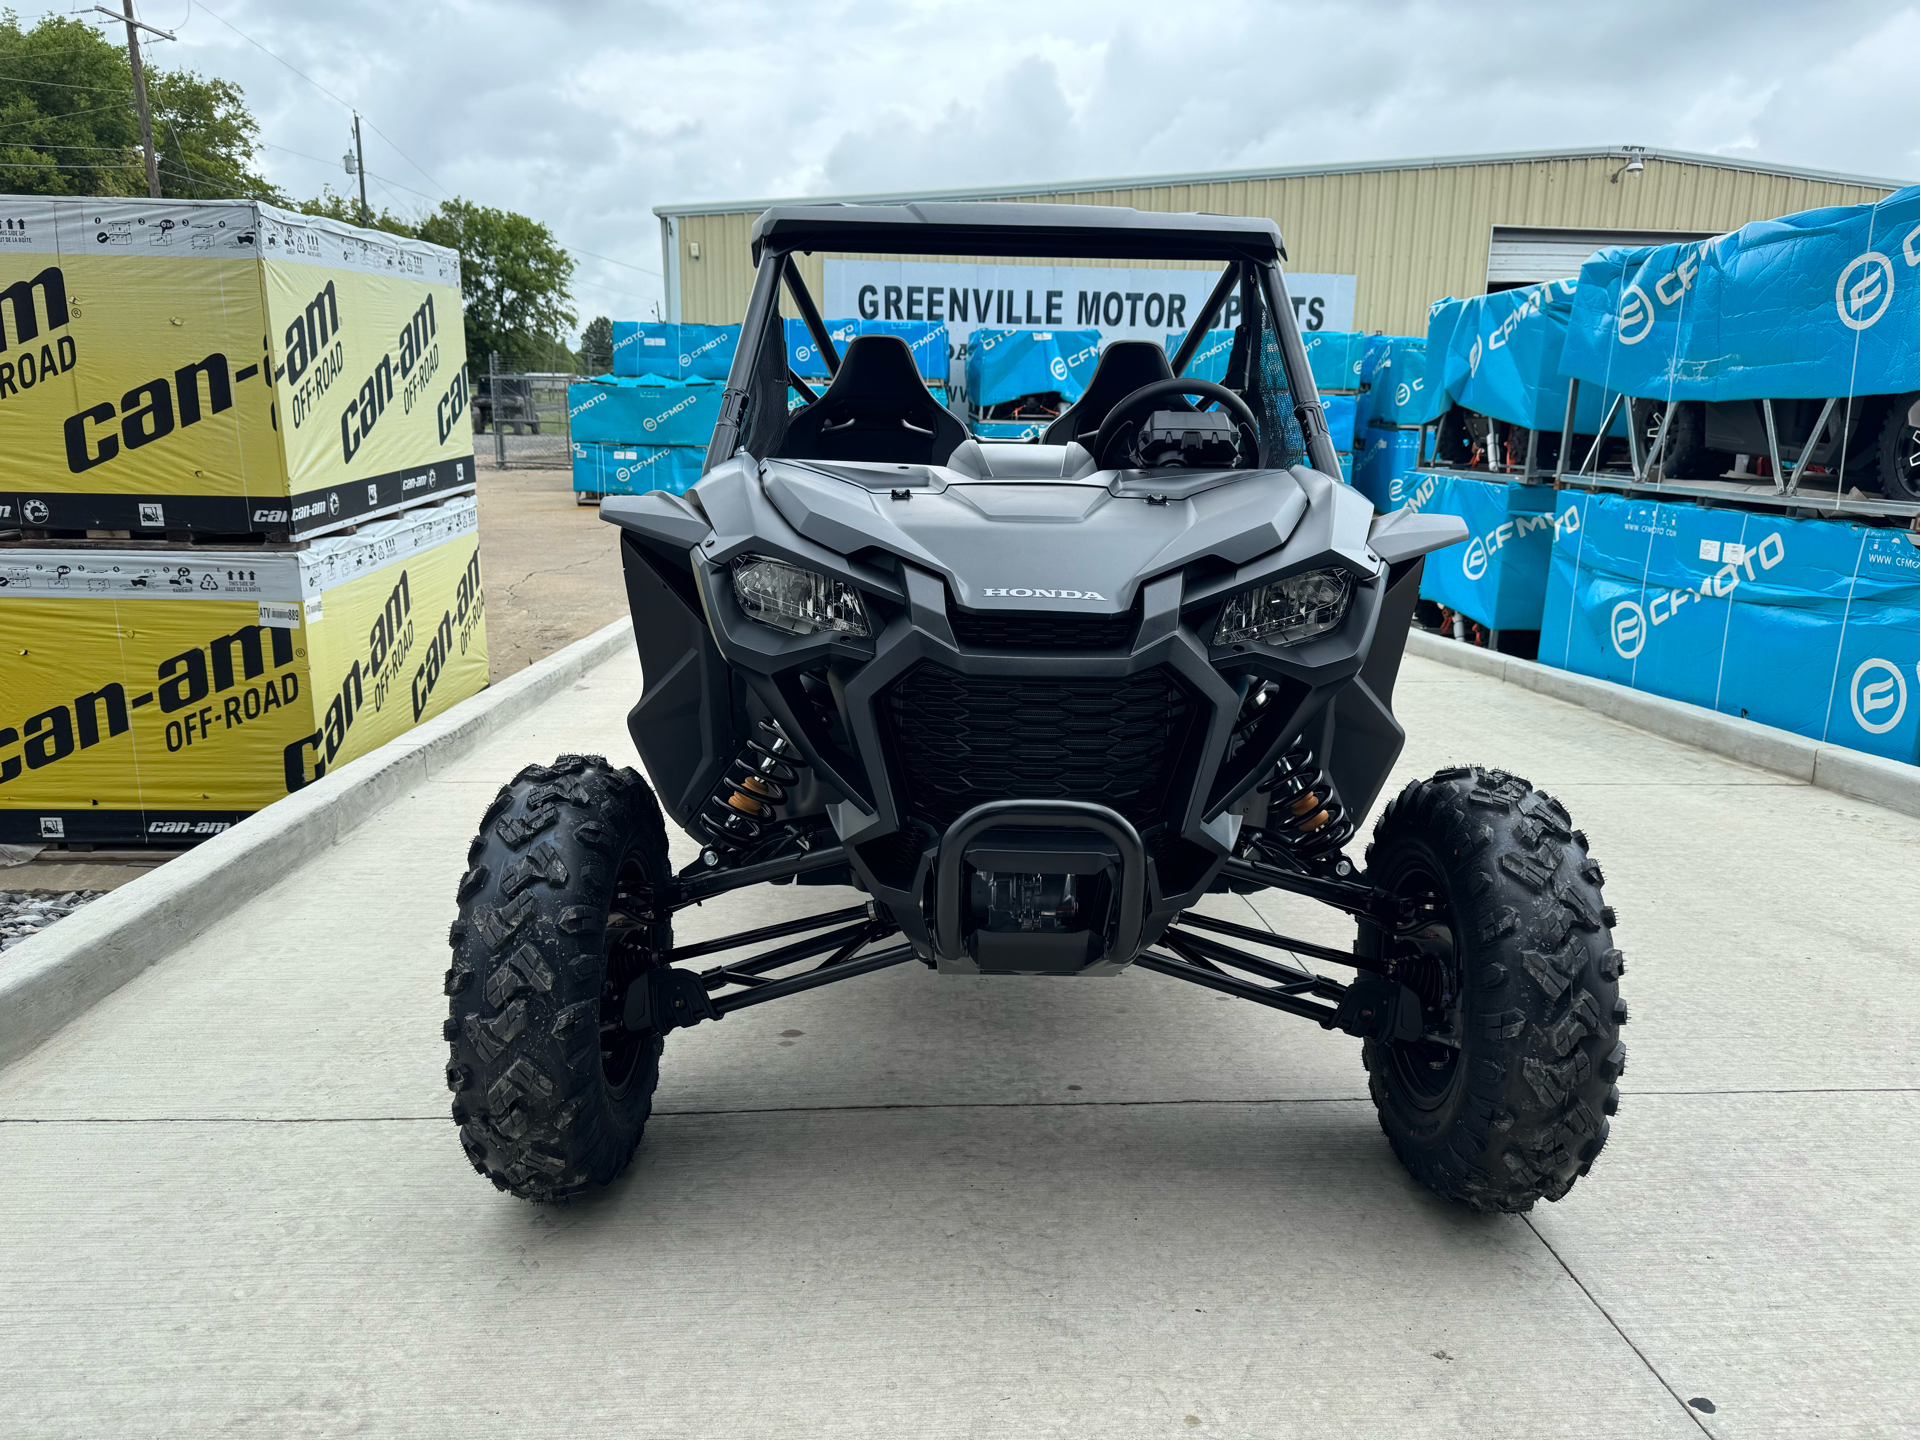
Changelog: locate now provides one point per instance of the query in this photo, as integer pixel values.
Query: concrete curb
(1835, 768)
(47, 981)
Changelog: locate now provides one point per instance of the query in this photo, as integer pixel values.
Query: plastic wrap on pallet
(707, 351)
(635, 469)
(270, 668)
(1343, 417)
(646, 348)
(1809, 306)
(1809, 625)
(1498, 575)
(1442, 316)
(1209, 361)
(1397, 384)
(1334, 357)
(1372, 350)
(1384, 462)
(928, 341)
(649, 410)
(1009, 429)
(1503, 359)
(1003, 365)
(804, 357)
(222, 368)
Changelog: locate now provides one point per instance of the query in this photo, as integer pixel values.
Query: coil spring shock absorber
(741, 807)
(1305, 817)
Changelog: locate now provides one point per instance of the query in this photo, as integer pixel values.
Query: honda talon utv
(1036, 701)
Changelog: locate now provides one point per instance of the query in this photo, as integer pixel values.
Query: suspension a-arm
(1373, 1004)
(669, 997)
(1357, 898)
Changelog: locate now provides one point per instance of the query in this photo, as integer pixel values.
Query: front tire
(562, 910)
(1897, 452)
(1509, 945)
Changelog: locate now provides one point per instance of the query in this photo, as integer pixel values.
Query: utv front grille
(1044, 630)
(958, 741)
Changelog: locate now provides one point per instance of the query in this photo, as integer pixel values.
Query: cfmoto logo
(1474, 562)
(1866, 286)
(1878, 695)
(1628, 627)
(1636, 317)
(1058, 368)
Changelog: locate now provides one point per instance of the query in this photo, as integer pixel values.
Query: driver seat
(1125, 366)
(876, 408)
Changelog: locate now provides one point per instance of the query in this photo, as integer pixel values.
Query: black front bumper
(916, 727)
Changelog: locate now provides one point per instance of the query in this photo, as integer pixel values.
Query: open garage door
(1527, 255)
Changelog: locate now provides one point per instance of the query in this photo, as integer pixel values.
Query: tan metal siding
(1410, 235)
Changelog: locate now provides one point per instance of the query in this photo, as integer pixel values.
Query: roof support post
(762, 304)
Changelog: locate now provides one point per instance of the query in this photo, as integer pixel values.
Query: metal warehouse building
(1410, 231)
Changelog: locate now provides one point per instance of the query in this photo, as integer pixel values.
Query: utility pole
(134, 27)
(360, 167)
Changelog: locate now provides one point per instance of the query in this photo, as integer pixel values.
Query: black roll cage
(1251, 249)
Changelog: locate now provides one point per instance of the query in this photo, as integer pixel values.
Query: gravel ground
(552, 567)
(26, 913)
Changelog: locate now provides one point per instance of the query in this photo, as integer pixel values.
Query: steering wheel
(1124, 408)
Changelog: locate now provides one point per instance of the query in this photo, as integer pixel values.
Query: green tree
(205, 138)
(67, 122)
(68, 125)
(597, 346)
(345, 208)
(514, 279)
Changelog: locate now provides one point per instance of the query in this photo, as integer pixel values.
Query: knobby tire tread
(535, 1113)
(1542, 1009)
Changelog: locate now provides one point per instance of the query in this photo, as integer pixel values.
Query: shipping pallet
(1812, 499)
(30, 537)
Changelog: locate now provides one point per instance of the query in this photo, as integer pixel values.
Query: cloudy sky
(586, 115)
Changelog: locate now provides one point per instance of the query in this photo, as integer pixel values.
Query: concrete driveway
(917, 1205)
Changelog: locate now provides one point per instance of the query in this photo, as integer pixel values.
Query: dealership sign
(1120, 304)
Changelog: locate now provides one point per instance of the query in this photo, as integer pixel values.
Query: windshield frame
(1251, 249)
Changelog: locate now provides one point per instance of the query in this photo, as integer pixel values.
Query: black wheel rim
(629, 954)
(1427, 959)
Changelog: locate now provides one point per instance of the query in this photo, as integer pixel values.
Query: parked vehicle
(1037, 702)
(508, 400)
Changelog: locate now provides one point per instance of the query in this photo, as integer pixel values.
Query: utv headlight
(791, 598)
(1284, 612)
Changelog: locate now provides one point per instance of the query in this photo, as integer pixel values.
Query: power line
(64, 115)
(384, 181)
(24, 165)
(320, 160)
(644, 270)
(63, 85)
(611, 290)
(265, 51)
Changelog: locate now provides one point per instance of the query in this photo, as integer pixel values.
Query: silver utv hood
(1037, 527)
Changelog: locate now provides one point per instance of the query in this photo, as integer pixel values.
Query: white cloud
(586, 115)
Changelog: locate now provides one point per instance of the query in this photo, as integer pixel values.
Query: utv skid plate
(1371, 1006)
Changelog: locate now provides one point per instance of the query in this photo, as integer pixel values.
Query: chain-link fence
(520, 419)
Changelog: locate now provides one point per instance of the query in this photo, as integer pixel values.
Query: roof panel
(974, 228)
(1120, 184)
